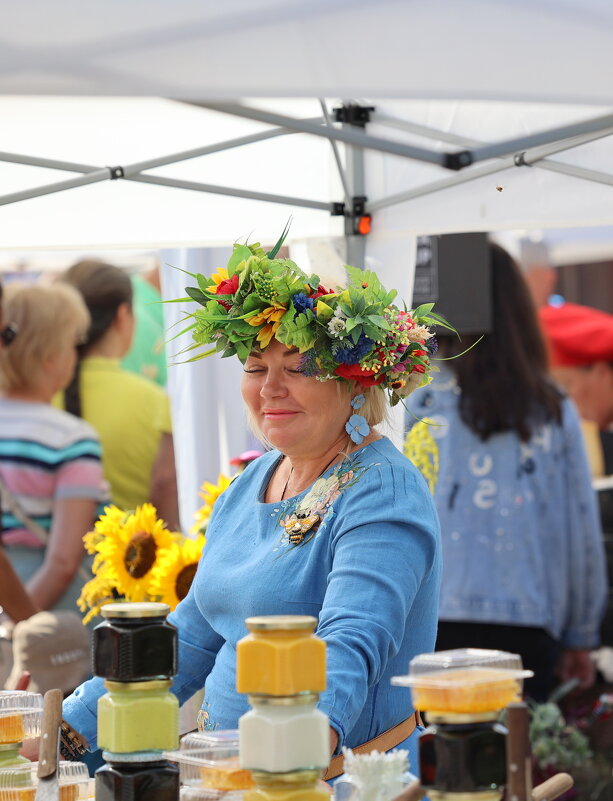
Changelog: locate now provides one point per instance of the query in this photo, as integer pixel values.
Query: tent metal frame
(472, 160)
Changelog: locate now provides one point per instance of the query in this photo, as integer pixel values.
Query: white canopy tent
(488, 115)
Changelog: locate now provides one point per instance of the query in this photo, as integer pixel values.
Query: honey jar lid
(153, 685)
(281, 623)
(135, 610)
(300, 699)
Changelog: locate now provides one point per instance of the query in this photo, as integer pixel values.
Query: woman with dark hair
(522, 546)
(130, 413)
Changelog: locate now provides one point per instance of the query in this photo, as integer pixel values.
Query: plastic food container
(209, 760)
(20, 715)
(19, 782)
(464, 681)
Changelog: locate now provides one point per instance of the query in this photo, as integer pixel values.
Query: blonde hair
(44, 315)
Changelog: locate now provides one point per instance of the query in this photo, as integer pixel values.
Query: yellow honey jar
(280, 656)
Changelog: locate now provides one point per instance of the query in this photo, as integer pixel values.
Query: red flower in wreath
(229, 286)
(321, 290)
(353, 372)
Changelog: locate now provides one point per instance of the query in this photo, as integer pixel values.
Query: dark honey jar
(140, 781)
(463, 759)
(135, 642)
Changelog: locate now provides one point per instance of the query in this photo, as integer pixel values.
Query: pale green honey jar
(138, 716)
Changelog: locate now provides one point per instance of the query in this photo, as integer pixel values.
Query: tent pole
(554, 135)
(354, 156)
(337, 157)
(351, 136)
(456, 179)
(218, 147)
(535, 157)
(50, 189)
(54, 164)
(230, 192)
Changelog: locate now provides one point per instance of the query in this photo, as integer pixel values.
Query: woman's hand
(333, 740)
(577, 664)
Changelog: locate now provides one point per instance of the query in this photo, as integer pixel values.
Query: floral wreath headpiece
(351, 334)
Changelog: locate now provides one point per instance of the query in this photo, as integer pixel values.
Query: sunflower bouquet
(137, 559)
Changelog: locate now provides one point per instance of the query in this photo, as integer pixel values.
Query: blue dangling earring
(357, 426)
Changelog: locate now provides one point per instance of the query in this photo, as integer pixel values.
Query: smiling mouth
(278, 412)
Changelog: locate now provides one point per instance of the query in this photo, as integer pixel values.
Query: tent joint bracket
(353, 114)
(357, 219)
(457, 161)
(519, 159)
(115, 173)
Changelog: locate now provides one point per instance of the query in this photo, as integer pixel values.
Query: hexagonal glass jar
(138, 716)
(284, 734)
(280, 656)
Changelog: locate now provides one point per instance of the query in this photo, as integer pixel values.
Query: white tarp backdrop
(457, 73)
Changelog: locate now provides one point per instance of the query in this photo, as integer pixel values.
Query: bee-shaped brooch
(298, 524)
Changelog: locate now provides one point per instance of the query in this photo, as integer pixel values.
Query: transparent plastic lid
(462, 666)
(210, 760)
(464, 681)
(20, 715)
(19, 778)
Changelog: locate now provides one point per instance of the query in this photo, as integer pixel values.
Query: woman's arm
(163, 491)
(198, 647)
(72, 518)
(14, 599)
(386, 551)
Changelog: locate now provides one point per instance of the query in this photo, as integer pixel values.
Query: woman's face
(296, 413)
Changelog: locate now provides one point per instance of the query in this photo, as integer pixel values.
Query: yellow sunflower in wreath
(130, 548)
(173, 574)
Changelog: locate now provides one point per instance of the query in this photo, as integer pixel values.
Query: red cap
(577, 335)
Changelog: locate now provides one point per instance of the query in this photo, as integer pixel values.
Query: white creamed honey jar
(284, 733)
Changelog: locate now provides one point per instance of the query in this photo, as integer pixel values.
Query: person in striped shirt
(50, 461)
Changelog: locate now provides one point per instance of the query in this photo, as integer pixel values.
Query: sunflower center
(139, 556)
(184, 580)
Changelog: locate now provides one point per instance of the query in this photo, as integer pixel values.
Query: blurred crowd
(84, 422)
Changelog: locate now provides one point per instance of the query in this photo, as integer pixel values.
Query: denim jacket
(522, 542)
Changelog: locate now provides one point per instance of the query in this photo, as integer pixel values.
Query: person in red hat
(581, 353)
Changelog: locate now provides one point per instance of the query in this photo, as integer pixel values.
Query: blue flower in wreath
(302, 303)
(357, 427)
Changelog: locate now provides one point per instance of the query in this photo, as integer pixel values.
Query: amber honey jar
(280, 656)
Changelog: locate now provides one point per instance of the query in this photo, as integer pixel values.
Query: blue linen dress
(370, 573)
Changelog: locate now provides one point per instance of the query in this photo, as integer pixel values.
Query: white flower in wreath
(336, 327)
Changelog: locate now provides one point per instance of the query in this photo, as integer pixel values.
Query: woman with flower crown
(333, 521)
